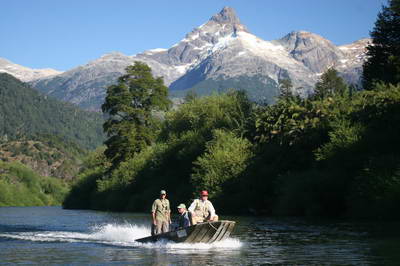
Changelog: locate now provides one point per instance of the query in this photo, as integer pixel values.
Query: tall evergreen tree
(383, 63)
(130, 106)
(330, 84)
(285, 86)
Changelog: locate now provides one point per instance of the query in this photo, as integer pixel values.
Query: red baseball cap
(204, 193)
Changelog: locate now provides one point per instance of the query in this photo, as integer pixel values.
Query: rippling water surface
(51, 235)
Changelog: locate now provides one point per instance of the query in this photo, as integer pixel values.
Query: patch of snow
(204, 47)
(348, 48)
(223, 43)
(156, 50)
(255, 42)
(183, 68)
(194, 36)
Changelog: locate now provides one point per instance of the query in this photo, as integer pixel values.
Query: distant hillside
(25, 113)
(47, 157)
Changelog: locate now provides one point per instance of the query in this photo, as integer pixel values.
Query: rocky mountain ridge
(24, 73)
(219, 54)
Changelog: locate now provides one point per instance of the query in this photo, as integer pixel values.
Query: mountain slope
(47, 156)
(220, 53)
(24, 112)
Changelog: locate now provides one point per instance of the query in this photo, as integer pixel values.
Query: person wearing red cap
(202, 209)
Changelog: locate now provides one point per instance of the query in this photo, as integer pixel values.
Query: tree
(130, 105)
(190, 96)
(285, 86)
(383, 63)
(330, 84)
(226, 158)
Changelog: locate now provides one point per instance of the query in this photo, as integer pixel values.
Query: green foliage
(84, 187)
(25, 113)
(313, 155)
(285, 86)
(168, 163)
(130, 104)
(383, 63)
(46, 155)
(226, 158)
(343, 136)
(330, 85)
(20, 186)
(228, 111)
(290, 122)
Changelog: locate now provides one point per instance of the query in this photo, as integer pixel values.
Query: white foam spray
(118, 235)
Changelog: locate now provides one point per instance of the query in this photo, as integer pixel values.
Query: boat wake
(117, 235)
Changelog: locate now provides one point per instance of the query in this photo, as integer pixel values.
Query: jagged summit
(302, 38)
(227, 15)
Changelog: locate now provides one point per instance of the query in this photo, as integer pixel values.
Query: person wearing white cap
(185, 217)
(160, 212)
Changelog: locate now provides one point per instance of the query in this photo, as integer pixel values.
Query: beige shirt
(161, 209)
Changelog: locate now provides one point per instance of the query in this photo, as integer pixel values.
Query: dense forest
(42, 144)
(25, 113)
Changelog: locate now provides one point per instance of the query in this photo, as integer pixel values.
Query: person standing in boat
(185, 217)
(202, 209)
(161, 214)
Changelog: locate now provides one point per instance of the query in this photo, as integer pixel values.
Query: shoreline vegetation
(21, 186)
(323, 156)
(333, 154)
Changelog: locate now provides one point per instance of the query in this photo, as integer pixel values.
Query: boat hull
(207, 232)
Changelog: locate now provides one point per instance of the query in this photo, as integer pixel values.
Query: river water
(51, 235)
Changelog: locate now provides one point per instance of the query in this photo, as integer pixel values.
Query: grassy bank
(20, 186)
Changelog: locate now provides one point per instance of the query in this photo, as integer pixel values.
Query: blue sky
(65, 34)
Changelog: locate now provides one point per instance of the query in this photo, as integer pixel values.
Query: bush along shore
(21, 186)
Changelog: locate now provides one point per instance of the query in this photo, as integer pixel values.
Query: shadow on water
(20, 228)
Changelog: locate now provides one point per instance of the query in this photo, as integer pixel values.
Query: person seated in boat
(202, 209)
(161, 214)
(185, 217)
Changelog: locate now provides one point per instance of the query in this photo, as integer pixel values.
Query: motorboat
(207, 232)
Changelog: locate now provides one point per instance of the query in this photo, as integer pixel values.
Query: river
(51, 235)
